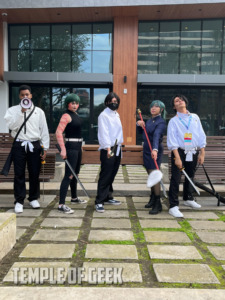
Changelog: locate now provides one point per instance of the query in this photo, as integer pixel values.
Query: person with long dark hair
(70, 124)
(110, 137)
(187, 140)
(155, 128)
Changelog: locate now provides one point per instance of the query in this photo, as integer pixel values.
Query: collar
(181, 115)
(109, 111)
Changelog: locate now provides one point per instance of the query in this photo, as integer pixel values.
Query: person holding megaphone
(29, 128)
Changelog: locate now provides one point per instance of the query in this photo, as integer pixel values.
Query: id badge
(187, 140)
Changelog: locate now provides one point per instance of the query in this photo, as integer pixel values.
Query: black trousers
(21, 158)
(74, 156)
(190, 167)
(109, 169)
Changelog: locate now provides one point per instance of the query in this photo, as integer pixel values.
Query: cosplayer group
(185, 138)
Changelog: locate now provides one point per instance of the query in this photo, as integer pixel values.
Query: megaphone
(26, 103)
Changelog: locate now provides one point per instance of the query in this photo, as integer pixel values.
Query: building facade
(142, 50)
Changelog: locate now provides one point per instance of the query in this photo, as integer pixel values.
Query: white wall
(4, 104)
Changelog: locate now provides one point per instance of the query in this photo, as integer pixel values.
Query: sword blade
(191, 182)
(164, 189)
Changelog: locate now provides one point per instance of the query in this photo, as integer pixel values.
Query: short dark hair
(24, 87)
(109, 98)
(182, 97)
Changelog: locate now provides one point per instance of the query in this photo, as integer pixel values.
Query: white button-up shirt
(36, 126)
(176, 131)
(109, 129)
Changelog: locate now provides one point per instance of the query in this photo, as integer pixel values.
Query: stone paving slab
(115, 235)
(48, 251)
(56, 235)
(111, 251)
(20, 232)
(141, 205)
(28, 212)
(123, 205)
(166, 237)
(211, 225)
(185, 273)
(111, 223)
(110, 293)
(207, 203)
(159, 224)
(199, 215)
(61, 222)
(10, 277)
(211, 237)
(130, 271)
(24, 222)
(173, 252)
(112, 214)
(8, 200)
(77, 214)
(217, 252)
(141, 199)
(145, 214)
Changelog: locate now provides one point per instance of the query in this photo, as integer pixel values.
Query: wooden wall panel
(125, 64)
(1, 52)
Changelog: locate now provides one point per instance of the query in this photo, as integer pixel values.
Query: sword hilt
(42, 153)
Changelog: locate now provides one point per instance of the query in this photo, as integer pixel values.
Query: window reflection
(182, 47)
(85, 48)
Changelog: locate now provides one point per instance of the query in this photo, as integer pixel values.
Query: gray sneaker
(112, 202)
(78, 201)
(65, 209)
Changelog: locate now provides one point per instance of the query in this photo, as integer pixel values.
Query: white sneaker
(18, 208)
(34, 204)
(192, 203)
(174, 211)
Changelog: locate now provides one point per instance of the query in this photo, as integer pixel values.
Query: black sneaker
(65, 209)
(78, 201)
(99, 208)
(112, 202)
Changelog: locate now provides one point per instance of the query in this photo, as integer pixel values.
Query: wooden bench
(132, 155)
(47, 170)
(214, 161)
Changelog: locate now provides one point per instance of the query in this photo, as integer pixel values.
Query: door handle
(93, 126)
(221, 127)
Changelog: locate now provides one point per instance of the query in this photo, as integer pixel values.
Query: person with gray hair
(155, 128)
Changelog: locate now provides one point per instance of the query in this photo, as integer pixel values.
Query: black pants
(33, 161)
(109, 169)
(74, 156)
(190, 167)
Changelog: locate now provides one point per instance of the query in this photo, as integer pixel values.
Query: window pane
(61, 37)
(190, 36)
(169, 36)
(102, 62)
(189, 63)
(102, 36)
(148, 37)
(61, 61)
(19, 37)
(40, 36)
(81, 36)
(81, 61)
(168, 63)
(19, 61)
(40, 61)
(210, 63)
(148, 63)
(212, 35)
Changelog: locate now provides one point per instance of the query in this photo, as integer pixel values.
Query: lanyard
(189, 122)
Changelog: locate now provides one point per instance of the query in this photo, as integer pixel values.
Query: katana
(112, 152)
(72, 170)
(189, 179)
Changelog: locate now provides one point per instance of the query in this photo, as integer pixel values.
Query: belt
(26, 144)
(73, 140)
